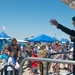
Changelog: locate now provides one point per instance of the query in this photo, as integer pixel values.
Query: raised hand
(54, 22)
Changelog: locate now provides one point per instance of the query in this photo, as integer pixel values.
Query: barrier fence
(41, 59)
(45, 60)
(2, 71)
(50, 54)
(34, 63)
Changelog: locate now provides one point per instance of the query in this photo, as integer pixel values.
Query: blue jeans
(10, 73)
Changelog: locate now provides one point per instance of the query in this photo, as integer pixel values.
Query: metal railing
(50, 54)
(58, 53)
(45, 60)
(5, 69)
(34, 63)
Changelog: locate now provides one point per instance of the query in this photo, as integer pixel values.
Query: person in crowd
(34, 64)
(4, 57)
(63, 28)
(19, 57)
(38, 44)
(14, 65)
(50, 47)
(27, 50)
(31, 48)
(56, 66)
(23, 53)
(65, 56)
(4, 46)
(69, 56)
(14, 47)
(66, 30)
(36, 47)
(12, 62)
(43, 52)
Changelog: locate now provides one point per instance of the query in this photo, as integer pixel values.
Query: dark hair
(14, 39)
(73, 18)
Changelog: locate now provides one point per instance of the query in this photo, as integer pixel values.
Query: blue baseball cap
(35, 51)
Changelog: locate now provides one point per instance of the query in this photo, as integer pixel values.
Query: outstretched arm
(63, 28)
(54, 22)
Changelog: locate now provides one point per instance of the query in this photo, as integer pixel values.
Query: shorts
(34, 70)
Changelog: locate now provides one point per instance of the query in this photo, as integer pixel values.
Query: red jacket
(34, 63)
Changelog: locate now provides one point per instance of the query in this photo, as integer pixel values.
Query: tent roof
(64, 40)
(42, 38)
(55, 38)
(4, 35)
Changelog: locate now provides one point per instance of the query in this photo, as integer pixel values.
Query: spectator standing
(68, 31)
(43, 52)
(4, 46)
(34, 64)
(12, 62)
(4, 57)
(14, 47)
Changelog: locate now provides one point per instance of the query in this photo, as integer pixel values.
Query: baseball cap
(35, 51)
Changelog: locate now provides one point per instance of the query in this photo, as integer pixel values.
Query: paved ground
(62, 72)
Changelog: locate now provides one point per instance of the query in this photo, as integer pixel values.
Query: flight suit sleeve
(66, 30)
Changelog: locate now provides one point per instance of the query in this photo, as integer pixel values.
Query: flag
(4, 28)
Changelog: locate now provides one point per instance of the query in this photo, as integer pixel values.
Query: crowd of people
(14, 54)
(11, 55)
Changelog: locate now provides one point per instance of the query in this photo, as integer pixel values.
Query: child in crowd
(4, 58)
(12, 62)
(34, 64)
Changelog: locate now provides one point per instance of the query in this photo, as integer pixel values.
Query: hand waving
(54, 22)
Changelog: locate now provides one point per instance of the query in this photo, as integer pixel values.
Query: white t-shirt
(10, 60)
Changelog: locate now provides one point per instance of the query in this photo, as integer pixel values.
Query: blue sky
(25, 18)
